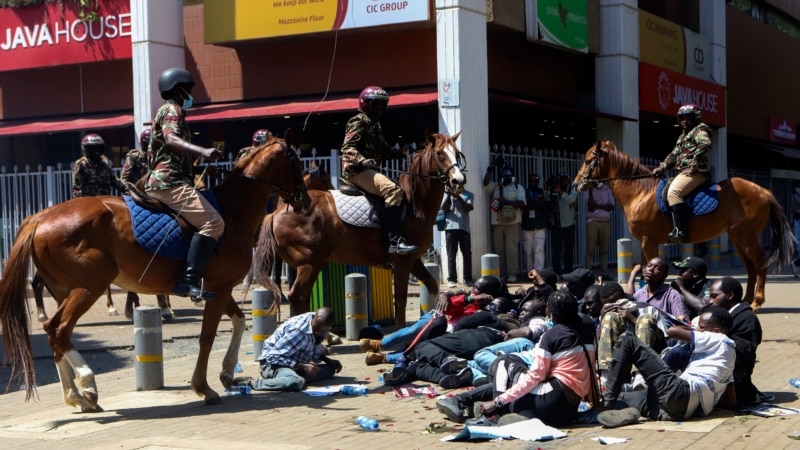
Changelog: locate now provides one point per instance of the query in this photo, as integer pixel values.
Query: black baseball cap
(694, 263)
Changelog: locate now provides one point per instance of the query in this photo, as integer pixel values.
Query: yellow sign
(661, 42)
(237, 20)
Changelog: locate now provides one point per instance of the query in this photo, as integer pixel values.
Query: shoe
(396, 377)
(480, 381)
(449, 407)
(469, 283)
(370, 345)
(614, 418)
(452, 365)
(190, 283)
(638, 383)
(452, 285)
(373, 358)
(243, 381)
(511, 279)
(482, 421)
(333, 339)
(462, 378)
(764, 397)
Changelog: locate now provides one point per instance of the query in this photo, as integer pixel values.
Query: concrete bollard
(148, 354)
(426, 301)
(624, 260)
(490, 265)
(264, 323)
(714, 254)
(355, 305)
(736, 260)
(662, 252)
(687, 250)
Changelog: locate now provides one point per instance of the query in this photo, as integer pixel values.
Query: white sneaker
(638, 383)
(451, 284)
(512, 279)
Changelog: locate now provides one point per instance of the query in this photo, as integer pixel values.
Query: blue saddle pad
(702, 201)
(153, 229)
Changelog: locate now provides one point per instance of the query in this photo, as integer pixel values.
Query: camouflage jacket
(92, 178)
(243, 152)
(134, 168)
(363, 139)
(168, 169)
(691, 151)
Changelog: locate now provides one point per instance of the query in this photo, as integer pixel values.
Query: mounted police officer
(259, 138)
(690, 159)
(363, 150)
(135, 166)
(170, 178)
(91, 175)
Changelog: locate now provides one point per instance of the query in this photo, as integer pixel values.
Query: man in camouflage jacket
(690, 159)
(91, 175)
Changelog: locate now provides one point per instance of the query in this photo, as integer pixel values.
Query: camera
(499, 162)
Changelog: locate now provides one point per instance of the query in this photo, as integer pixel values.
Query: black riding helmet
(171, 78)
(489, 285)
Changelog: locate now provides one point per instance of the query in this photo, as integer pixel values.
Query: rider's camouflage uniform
(243, 152)
(168, 169)
(364, 139)
(691, 151)
(92, 178)
(135, 166)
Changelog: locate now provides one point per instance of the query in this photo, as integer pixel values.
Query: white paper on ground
(610, 440)
(327, 390)
(528, 430)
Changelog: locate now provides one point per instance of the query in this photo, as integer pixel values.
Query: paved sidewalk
(176, 418)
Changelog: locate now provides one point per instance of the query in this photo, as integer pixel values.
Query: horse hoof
(214, 400)
(113, 312)
(90, 409)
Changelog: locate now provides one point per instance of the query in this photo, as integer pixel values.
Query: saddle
(157, 228)
(702, 200)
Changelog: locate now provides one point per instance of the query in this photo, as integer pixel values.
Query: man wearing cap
(578, 281)
(508, 199)
(692, 284)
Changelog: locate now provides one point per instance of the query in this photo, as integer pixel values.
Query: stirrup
(678, 236)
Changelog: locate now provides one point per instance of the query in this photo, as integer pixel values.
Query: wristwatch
(497, 403)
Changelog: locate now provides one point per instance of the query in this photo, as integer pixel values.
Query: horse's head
(593, 168)
(446, 160)
(276, 164)
(317, 178)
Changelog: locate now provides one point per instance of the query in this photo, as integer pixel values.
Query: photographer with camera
(507, 201)
(563, 199)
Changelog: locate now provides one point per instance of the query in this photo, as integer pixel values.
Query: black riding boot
(191, 282)
(391, 218)
(680, 219)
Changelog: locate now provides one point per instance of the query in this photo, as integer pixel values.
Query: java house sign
(663, 91)
(47, 35)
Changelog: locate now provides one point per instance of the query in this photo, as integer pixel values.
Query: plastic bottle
(367, 423)
(238, 368)
(795, 382)
(240, 390)
(353, 390)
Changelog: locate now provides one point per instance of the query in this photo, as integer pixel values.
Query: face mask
(187, 102)
(600, 185)
(549, 322)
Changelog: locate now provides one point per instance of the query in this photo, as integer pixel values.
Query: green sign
(563, 22)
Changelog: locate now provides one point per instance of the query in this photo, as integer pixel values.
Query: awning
(89, 123)
(503, 98)
(277, 108)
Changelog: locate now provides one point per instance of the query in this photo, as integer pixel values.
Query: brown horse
(308, 241)
(81, 246)
(745, 208)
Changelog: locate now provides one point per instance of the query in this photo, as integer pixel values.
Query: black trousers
(563, 248)
(455, 239)
(429, 355)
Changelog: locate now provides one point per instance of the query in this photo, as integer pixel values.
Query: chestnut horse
(744, 209)
(81, 246)
(308, 241)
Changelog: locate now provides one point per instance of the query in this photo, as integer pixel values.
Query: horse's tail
(264, 259)
(14, 310)
(782, 238)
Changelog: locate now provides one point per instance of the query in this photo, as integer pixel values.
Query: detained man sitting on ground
(692, 284)
(290, 356)
(669, 396)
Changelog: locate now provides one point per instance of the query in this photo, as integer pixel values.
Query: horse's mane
(627, 166)
(420, 164)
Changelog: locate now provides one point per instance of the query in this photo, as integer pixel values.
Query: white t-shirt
(709, 371)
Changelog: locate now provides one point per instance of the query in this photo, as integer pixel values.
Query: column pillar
(157, 39)
(464, 100)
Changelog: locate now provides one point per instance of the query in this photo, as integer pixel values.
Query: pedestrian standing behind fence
(534, 225)
(599, 204)
(456, 210)
(507, 199)
(563, 233)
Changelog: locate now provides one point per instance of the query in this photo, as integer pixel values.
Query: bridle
(300, 186)
(595, 162)
(441, 171)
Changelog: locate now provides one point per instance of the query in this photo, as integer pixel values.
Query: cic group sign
(47, 35)
(663, 91)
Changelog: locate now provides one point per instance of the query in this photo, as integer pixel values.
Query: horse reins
(298, 192)
(593, 165)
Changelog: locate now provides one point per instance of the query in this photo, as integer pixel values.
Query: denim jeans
(286, 379)
(402, 337)
(484, 358)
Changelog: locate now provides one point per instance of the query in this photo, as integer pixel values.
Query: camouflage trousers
(612, 327)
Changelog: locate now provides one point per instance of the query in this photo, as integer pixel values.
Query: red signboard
(783, 131)
(663, 91)
(49, 35)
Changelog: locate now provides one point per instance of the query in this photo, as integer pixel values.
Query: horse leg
(753, 258)
(232, 355)
(82, 390)
(166, 309)
(649, 248)
(212, 313)
(110, 304)
(401, 272)
(37, 285)
(299, 293)
(131, 301)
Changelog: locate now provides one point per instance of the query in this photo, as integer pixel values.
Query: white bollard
(624, 260)
(264, 324)
(490, 265)
(149, 356)
(356, 304)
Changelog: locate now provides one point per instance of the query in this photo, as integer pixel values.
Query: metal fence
(26, 191)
